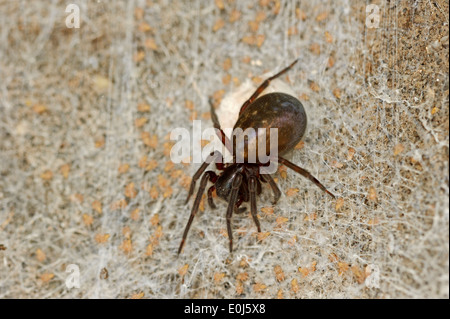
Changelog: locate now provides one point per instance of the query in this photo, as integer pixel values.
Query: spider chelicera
(240, 182)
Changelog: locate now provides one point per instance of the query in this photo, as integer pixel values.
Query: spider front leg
(210, 191)
(211, 157)
(233, 199)
(263, 86)
(273, 185)
(252, 186)
(305, 173)
(207, 176)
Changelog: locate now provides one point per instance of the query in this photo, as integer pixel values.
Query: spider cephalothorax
(240, 181)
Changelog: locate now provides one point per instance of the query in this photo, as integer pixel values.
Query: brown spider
(241, 182)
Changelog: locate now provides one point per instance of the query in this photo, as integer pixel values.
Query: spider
(240, 182)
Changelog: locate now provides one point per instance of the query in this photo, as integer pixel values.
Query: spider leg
(252, 186)
(273, 185)
(305, 173)
(210, 199)
(211, 157)
(233, 198)
(225, 140)
(263, 86)
(198, 198)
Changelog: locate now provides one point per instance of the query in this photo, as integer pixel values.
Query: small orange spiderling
(304, 271)
(126, 231)
(359, 274)
(139, 295)
(249, 39)
(300, 14)
(372, 194)
(304, 97)
(143, 161)
(88, 219)
(239, 287)
(267, 210)
(150, 44)
(226, 79)
(311, 217)
(140, 122)
(145, 27)
(139, 56)
(253, 25)
(235, 15)
(322, 16)
(123, 168)
(97, 206)
(154, 220)
(176, 174)
(291, 192)
(219, 4)
(328, 37)
(183, 270)
(243, 276)
(65, 169)
(139, 13)
(333, 258)
(189, 105)
(398, 149)
(168, 192)
(259, 287)
(279, 274)
(244, 263)
(39, 108)
(294, 285)
(101, 238)
(292, 30)
(47, 175)
(373, 222)
(260, 16)
(169, 166)
(263, 235)
(149, 140)
(280, 294)
(119, 204)
(163, 182)
(434, 110)
(76, 198)
(126, 246)
(351, 153)
(331, 61)
(47, 277)
(339, 203)
(260, 38)
(40, 255)
(315, 48)
(342, 268)
(281, 220)
(337, 93)
(314, 86)
(336, 164)
(218, 276)
(219, 24)
(142, 107)
(149, 250)
(227, 64)
(130, 190)
(135, 214)
(292, 240)
(152, 164)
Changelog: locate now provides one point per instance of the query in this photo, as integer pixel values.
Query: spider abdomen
(274, 110)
